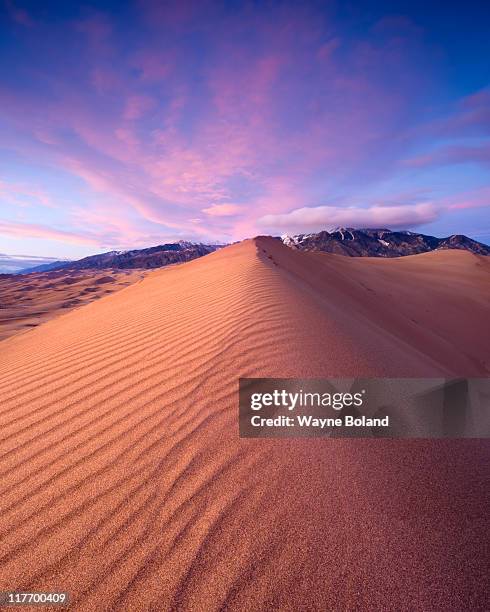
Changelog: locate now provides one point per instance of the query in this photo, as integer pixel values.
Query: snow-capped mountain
(152, 257)
(379, 242)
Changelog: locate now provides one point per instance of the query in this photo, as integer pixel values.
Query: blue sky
(134, 123)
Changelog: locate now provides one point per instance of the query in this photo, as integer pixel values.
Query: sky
(130, 124)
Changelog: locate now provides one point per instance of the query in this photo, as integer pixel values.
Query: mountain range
(380, 243)
(152, 257)
(13, 264)
(342, 241)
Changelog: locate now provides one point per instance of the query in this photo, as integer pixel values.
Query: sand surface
(124, 482)
(27, 300)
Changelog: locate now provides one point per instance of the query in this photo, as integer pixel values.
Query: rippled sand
(124, 482)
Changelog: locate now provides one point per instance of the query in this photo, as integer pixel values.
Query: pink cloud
(474, 198)
(106, 80)
(469, 117)
(153, 65)
(137, 106)
(327, 49)
(222, 210)
(97, 28)
(34, 230)
(23, 195)
(452, 154)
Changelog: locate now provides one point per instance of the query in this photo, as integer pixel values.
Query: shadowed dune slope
(124, 482)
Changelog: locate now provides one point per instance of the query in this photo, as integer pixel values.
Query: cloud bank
(329, 217)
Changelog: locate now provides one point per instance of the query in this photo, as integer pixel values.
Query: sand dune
(28, 300)
(124, 482)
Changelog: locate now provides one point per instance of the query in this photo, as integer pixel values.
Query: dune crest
(124, 482)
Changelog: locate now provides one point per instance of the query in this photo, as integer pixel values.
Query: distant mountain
(343, 241)
(13, 264)
(55, 265)
(380, 243)
(152, 257)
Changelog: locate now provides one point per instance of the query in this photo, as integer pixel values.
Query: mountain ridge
(371, 242)
(147, 258)
(366, 242)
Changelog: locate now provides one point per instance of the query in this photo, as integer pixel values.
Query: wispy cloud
(19, 194)
(34, 230)
(222, 210)
(453, 154)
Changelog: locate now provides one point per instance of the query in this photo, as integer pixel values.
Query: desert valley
(28, 300)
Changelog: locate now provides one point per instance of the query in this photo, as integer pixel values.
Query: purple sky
(151, 122)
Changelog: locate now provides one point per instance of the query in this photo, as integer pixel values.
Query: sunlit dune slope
(124, 482)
